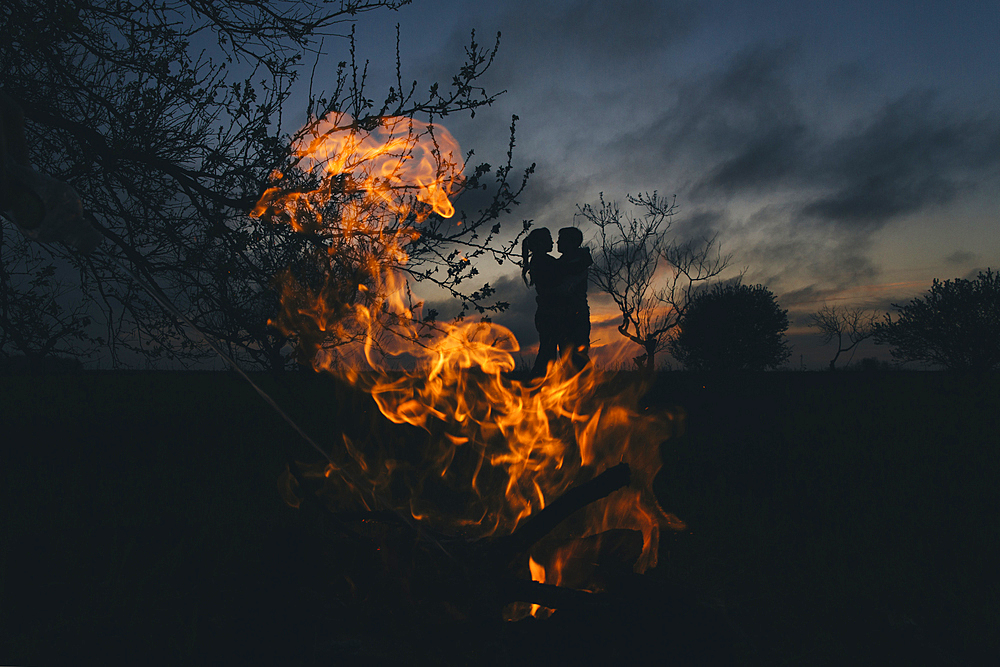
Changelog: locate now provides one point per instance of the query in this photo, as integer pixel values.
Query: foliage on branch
(956, 325)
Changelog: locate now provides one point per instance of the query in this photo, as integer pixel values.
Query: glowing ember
(538, 574)
(497, 450)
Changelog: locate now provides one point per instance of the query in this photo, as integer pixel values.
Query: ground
(833, 518)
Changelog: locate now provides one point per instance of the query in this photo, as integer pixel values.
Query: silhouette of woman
(539, 268)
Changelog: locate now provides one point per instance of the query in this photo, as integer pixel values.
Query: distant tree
(955, 325)
(732, 327)
(649, 275)
(854, 324)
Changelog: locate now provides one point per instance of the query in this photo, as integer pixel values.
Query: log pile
(455, 591)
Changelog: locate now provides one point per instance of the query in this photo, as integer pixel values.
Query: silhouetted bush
(955, 325)
(732, 327)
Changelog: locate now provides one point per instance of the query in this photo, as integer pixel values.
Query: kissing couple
(562, 317)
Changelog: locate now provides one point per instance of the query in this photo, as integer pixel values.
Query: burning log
(480, 577)
(459, 593)
(541, 524)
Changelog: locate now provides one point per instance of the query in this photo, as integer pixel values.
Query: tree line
(664, 291)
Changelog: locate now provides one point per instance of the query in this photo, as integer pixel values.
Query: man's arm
(574, 269)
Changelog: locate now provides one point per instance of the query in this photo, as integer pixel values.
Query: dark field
(834, 519)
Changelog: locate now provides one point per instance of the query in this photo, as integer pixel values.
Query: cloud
(744, 130)
(699, 223)
(973, 274)
(912, 155)
(810, 295)
(798, 162)
(960, 257)
(780, 252)
(802, 198)
(574, 68)
(763, 161)
(750, 97)
(569, 38)
(717, 115)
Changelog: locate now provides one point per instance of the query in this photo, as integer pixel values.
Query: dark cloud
(973, 274)
(783, 255)
(732, 128)
(743, 130)
(811, 297)
(765, 160)
(880, 197)
(832, 265)
(589, 32)
(748, 139)
(796, 160)
(960, 257)
(912, 155)
(846, 79)
(805, 296)
(520, 316)
(699, 223)
(552, 196)
(747, 98)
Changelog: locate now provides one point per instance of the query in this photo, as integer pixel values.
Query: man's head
(570, 238)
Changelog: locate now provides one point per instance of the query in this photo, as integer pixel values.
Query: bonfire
(526, 488)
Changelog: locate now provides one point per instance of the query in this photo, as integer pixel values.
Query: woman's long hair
(530, 246)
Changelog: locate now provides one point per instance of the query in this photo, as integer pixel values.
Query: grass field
(834, 518)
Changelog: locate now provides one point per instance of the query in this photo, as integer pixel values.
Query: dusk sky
(846, 152)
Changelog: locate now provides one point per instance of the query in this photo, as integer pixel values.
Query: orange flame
(538, 574)
(397, 156)
(497, 450)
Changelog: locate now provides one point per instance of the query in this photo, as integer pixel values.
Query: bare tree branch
(170, 138)
(649, 276)
(856, 324)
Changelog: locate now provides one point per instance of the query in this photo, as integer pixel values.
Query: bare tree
(40, 320)
(168, 120)
(650, 276)
(854, 324)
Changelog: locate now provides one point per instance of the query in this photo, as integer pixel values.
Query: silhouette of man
(540, 270)
(573, 267)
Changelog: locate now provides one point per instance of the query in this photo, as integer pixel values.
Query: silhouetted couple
(563, 315)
